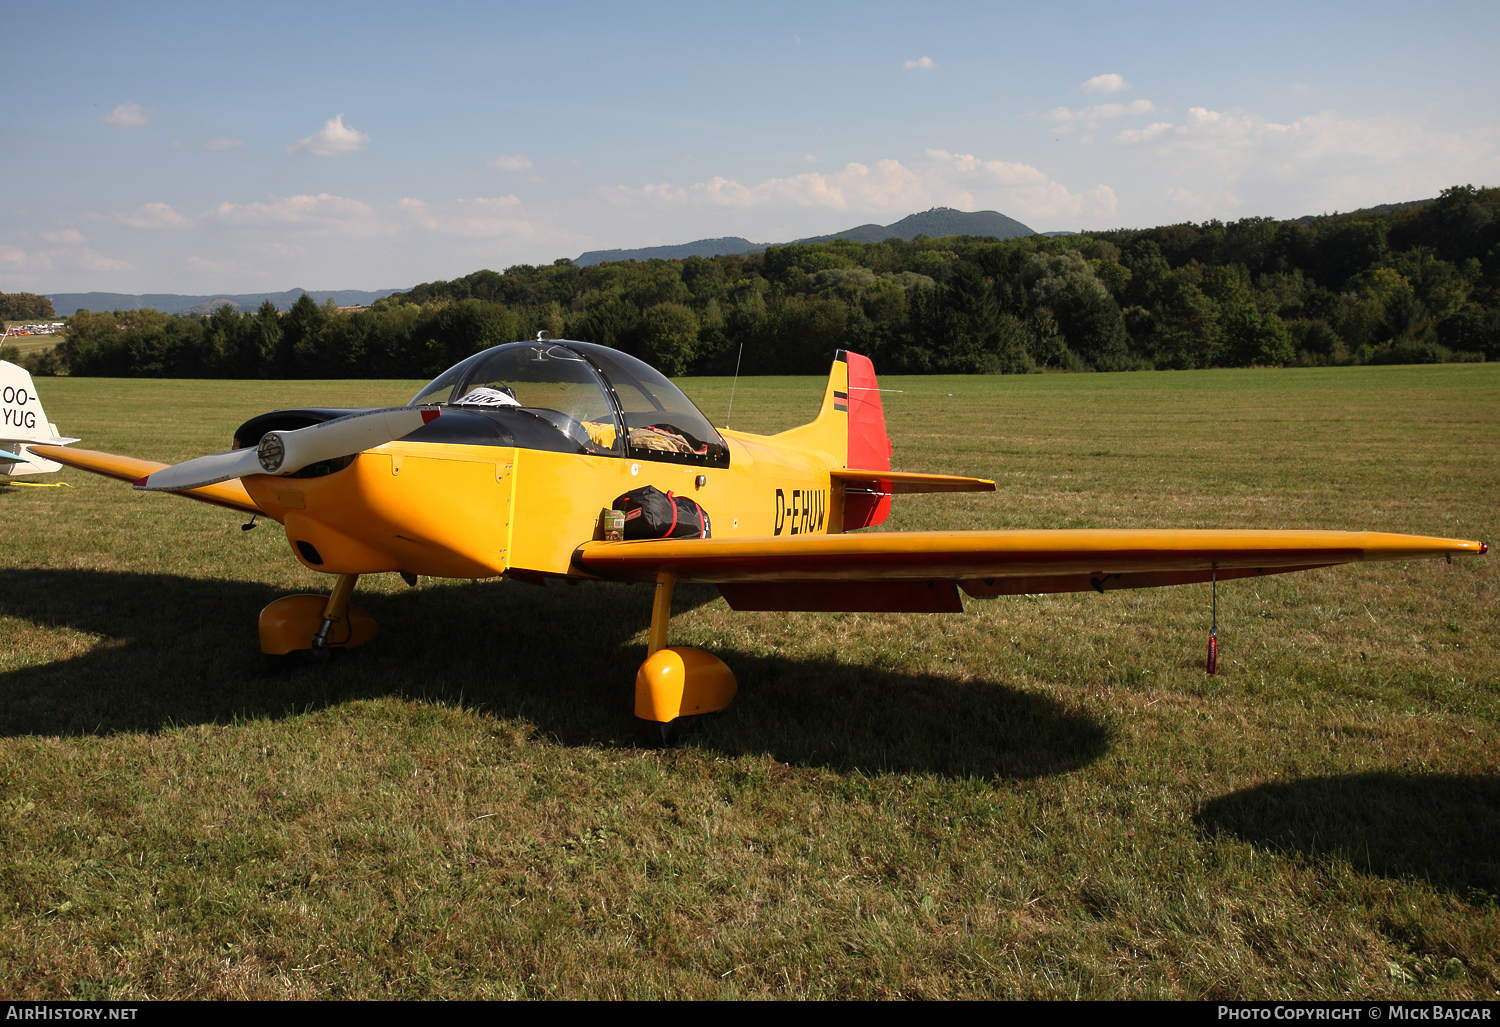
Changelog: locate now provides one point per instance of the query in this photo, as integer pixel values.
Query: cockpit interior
(572, 397)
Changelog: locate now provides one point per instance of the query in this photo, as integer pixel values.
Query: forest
(23, 306)
(1420, 284)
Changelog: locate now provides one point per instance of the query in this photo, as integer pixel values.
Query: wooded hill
(1418, 284)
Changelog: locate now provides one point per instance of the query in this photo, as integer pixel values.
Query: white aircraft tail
(23, 421)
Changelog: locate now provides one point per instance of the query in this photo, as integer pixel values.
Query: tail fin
(829, 431)
(869, 446)
(23, 421)
(850, 427)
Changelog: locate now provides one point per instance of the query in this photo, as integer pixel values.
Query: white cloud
(652, 193)
(1092, 116)
(320, 211)
(481, 216)
(888, 187)
(335, 138)
(923, 63)
(1022, 191)
(14, 259)
(128, 115)
(198, 263)
(223, 143)
(511, 162)
(283, 218)
(1226, 162)
(154, 215)
(20, 268)
(1104, 84)
(1202, 207)
(1241, 137)
(1144, 135)
(65, 235)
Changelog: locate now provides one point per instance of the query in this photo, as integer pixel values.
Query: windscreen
(440, 389)
(547, 381)
(663, 424)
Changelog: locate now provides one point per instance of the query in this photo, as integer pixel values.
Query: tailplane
(22, 421)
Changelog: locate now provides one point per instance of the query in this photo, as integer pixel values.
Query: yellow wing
(227, 493)
(920, 571)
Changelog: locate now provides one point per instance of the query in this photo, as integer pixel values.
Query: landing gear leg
(333, 613)
(676, 685)
(661, 613)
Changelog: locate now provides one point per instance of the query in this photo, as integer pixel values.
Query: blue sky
(243, 148)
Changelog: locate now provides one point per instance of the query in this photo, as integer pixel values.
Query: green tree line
(1420, 284)
(24, 306)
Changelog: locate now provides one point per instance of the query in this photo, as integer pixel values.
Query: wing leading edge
(920, 571)
(228, 493)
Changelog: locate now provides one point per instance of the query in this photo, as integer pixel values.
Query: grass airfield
(1041, 797)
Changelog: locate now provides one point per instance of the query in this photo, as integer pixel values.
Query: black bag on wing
(652, 513)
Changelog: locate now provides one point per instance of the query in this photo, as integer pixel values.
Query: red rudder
(869, 448)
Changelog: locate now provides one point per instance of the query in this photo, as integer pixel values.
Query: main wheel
(664, 736)
(283, 662)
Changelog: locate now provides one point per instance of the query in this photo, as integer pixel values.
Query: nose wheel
(310, 628)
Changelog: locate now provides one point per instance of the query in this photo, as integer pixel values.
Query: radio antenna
(735, 384)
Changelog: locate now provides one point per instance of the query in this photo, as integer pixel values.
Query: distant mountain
(933, 223)
(863, 233)
(68, 303)
(1381, 208)
(730, 244)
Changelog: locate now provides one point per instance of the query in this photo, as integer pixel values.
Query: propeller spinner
(286, 452)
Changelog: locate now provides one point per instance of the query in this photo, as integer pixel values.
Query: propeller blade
(286, 452)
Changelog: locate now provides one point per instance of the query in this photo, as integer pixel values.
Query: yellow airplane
(561, 460)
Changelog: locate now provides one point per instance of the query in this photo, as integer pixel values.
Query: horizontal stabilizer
(44, 440)
(897, 483)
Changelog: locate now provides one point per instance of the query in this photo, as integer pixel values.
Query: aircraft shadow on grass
(175, 650)
(1443, 829)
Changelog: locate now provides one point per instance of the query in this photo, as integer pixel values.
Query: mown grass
(29, 344)
(1040, 797)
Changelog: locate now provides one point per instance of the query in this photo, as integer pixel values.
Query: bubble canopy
(612, 403)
